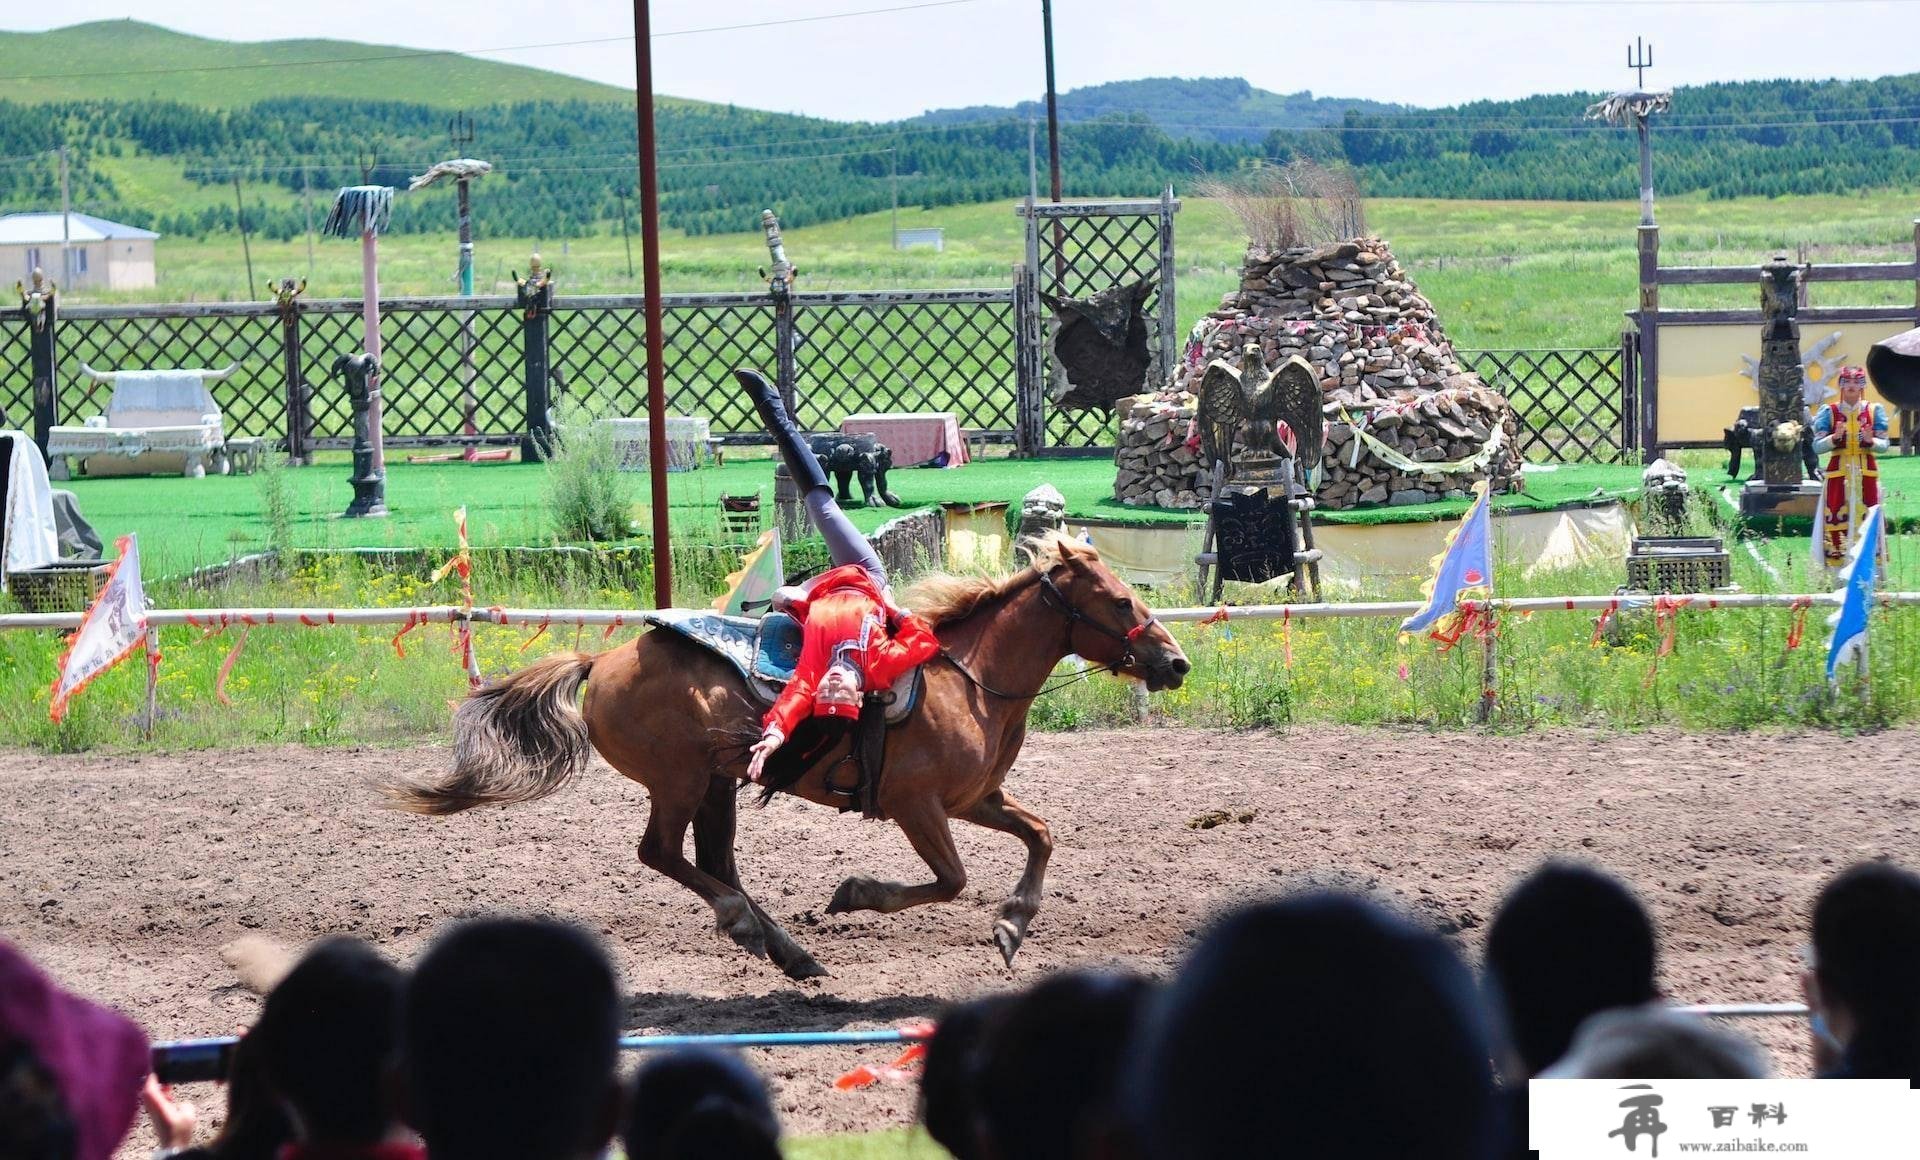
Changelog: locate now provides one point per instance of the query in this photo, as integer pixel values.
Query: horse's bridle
(1075, 618)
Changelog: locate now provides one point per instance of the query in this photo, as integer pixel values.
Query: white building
(104, 255)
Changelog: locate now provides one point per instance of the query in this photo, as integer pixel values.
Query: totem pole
(1783, 412)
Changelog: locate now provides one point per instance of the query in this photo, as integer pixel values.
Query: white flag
(113, 627)
(750, 590)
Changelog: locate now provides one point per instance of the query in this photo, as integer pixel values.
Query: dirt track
(124, 875)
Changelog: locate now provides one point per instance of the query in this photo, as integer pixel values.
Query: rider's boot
(800, 460)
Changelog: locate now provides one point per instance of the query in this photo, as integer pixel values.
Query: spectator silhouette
(698, 1104)
(1050, 1065)
(1864, 985)
(327, 1036)
(70, 1070)
(256, 1125)
(509, 1032)
(1655, 1042)
(949, 1082)
(1317, 1026)
(1567, 942)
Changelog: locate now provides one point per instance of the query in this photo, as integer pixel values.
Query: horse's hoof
(842, 899)
(806, 967)
(746, 932)
(1008, 938)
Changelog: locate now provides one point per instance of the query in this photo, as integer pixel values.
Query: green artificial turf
(186, 523)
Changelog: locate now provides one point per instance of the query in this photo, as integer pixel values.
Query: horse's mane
(942, 599)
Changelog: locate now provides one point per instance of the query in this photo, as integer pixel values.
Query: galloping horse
(668, 714)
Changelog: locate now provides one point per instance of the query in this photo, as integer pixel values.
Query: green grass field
(1500, 274)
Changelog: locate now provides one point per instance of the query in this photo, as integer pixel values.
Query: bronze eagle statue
(1264, 405)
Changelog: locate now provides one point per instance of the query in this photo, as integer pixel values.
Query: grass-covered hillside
(128, 60)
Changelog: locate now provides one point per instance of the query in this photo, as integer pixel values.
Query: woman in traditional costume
(1852, 430)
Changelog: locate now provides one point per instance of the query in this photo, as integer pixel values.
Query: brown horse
(668, 714)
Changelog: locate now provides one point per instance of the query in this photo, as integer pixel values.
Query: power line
(416, 54)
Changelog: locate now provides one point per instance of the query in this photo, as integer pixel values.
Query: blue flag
(1856, 599)
(1463, 571)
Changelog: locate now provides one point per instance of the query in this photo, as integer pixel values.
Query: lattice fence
(865, 353)
(152, 338)
(599, 346)
(16, 372)
(1573, 406)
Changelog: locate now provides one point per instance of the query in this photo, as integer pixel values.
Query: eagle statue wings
(1279, 411)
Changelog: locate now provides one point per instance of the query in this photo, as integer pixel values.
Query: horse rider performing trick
(855, 639)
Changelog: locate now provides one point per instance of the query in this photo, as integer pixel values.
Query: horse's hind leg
(713, 831)
(925, 824)
(662, 848)
(997, 811)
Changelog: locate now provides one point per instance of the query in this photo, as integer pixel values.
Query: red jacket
(845, 614)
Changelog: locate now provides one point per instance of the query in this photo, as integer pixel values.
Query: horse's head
(1106, 623)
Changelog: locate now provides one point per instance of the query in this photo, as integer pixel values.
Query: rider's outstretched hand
(761, 750)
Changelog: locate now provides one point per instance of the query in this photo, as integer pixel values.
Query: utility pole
(620, 191)
(1053, 105)
(893, 175)
(66, 222)
(306, 200)
(240, 219)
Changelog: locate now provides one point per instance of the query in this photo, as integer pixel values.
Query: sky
(928, 54)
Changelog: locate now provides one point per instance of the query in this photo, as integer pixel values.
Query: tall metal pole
(466, 237)
(306, 200)
(650, 287)
(893, 175)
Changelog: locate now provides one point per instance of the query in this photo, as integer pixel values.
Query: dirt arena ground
(126, 875)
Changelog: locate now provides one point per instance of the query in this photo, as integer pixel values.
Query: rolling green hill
(1209, 109)
(130, 60)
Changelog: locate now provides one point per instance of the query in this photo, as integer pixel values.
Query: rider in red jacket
(855, 639)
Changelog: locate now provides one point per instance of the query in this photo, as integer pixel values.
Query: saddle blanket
(764, 652)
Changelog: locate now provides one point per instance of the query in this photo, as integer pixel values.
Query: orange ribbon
(226, 668)
(1799, 626)
(1286, 635)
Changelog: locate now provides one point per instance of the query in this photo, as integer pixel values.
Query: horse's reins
(1075, 619)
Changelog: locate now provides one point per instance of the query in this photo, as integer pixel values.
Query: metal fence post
(535, 296)
(37, 306)
(1029, 422)
(298, 393)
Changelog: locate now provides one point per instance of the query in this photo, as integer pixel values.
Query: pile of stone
(1405, 424)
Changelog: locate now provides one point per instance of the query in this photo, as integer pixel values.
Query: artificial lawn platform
(187, 523)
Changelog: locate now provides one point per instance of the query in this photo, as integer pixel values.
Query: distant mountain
(1223, 109)
(130, 60)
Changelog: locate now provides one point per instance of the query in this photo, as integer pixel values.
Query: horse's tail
(516, 739)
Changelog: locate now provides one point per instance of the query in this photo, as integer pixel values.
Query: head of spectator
(1655, 1042)
(949, 1082)
(1290, 1021)
(327, 1035)
(70, 1070)
(698, 1104)
(1864, 985)
(509, 1033)
(1050, 1066)
(256, 1125)
(1568, 942)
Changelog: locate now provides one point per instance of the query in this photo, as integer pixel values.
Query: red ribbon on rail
(1799, 625)
(414, 620)
(1217, 616)
(226, 668)
(1666, 614)
(1600, 625)
(1286, 636)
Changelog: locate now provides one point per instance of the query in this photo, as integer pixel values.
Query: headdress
(1853, 376)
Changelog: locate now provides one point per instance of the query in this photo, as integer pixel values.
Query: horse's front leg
(924, 821)
(997, 811)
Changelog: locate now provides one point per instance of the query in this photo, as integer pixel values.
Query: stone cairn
(1385, 367)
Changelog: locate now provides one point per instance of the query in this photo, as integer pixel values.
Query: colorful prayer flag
(1856, 597)
(1462, 572)
(113, 627)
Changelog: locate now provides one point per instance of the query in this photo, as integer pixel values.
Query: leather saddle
(765, 651)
